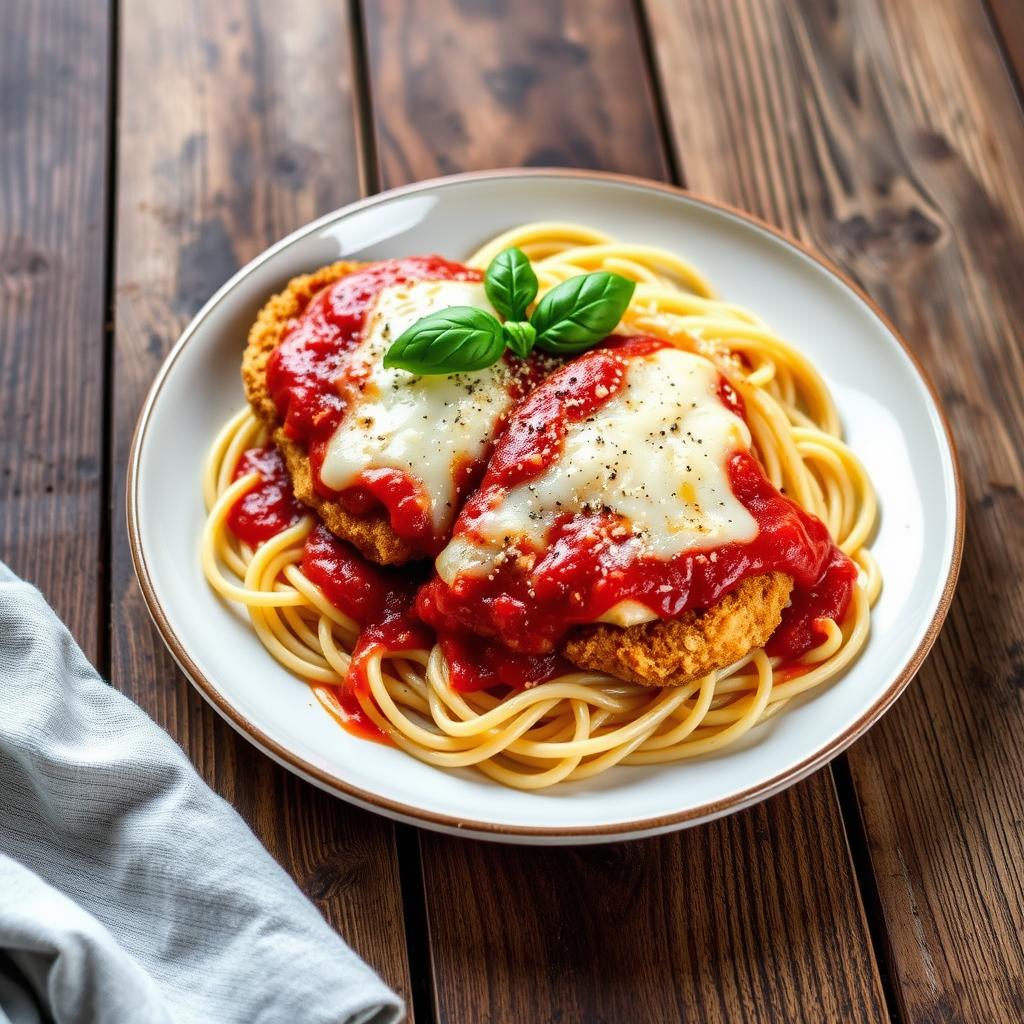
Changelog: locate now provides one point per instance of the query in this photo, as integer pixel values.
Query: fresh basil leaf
(582, 311)
(510, 283)
(520, 336)
(448, 341)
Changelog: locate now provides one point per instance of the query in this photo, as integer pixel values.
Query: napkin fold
(129, 891)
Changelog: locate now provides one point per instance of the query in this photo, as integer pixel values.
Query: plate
(890, 416)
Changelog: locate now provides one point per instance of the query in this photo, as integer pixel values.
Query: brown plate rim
(409, 812)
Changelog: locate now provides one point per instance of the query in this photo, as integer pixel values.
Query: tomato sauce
(381, 600)
(587, 565)
(478, 663)
(378, 599)
(270, 506)
(481, 663)
(827, 598)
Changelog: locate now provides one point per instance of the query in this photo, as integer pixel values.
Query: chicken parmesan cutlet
(540, 514)
(385, 457)
(624, 524)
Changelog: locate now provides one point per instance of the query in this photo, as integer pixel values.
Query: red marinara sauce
(310, 372)
(584, 567)
(380, 600)
(480, 663)
(270, 506)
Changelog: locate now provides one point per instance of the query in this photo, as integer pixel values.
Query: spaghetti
(578, 724)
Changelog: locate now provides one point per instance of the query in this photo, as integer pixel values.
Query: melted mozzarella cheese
(627, 613)
(655, 454)
(424, 426)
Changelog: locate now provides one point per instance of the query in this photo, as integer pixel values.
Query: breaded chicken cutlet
(604, 476)
(659, 653)
(371, 534)
(669, 652)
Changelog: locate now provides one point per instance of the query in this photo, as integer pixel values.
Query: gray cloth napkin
(129, 891)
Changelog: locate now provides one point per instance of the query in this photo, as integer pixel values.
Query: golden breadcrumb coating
(371, 534)
(671, 652)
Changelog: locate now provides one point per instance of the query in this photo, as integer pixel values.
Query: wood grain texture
(889, 136)
(461, 84)
(749, 919)
(53, 186)
(755, 918)
(235, 127)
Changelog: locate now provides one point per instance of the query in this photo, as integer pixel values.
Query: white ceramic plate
(889, 413)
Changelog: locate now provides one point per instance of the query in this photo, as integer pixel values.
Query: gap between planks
(108, 485)
(1008, 30)
(422, 1008)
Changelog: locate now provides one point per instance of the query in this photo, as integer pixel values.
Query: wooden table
(150, 147)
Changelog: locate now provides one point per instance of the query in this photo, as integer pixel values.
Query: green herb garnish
(452, 339)
(581, 311)
(510, 283)
(575, 315)
(520, 335)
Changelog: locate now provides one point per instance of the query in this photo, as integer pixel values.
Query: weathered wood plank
(756, 918)
(462, 84)
(750, 919)
(53, 193)
(889, 136)
(235, 128)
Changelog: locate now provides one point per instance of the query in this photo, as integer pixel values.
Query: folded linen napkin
(129, 891)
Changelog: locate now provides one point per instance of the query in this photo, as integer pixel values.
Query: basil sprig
(510, 283)
(520, 335)
(456, 338)
(575, 315)
(571, 317)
